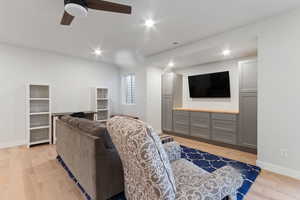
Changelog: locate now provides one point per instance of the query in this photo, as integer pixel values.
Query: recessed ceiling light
(98, 52)
(171, 64)
(149, 23)
(226, 52)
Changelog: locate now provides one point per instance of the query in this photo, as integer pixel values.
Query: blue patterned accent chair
(149, 174)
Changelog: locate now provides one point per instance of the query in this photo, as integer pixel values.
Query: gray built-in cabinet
(238, 129)
(171, 97)
(248, 104)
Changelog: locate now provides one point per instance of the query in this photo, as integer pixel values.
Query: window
(129, 83)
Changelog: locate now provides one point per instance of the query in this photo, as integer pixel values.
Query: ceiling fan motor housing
(76, 8)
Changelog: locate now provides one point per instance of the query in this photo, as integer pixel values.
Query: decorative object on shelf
(102, 104)
(38, 114)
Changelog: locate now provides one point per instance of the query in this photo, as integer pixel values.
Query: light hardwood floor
(34, 174)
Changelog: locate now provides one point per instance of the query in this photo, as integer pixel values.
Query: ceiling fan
(79, 8)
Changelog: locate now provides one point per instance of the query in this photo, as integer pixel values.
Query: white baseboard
(11, 144)
(279, 169)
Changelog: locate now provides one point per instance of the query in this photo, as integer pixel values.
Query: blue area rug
(204, 160)
(210, 163)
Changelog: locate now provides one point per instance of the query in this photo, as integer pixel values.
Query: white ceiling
(35, 23)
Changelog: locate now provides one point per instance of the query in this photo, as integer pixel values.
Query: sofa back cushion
(94, 128)
(147, 169)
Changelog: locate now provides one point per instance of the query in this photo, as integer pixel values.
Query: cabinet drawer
(181, 128)
(223, 125)
(223, 116)
(197, 115)
(224, 136)
(201, 123)
(181, 113)
(181, 116)
(200, 132)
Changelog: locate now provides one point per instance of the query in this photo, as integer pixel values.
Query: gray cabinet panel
(200, 124)
(199, 115)
(182, 116)
(168, 83)
(167, 115)
(248, 76)
(248, 120)
(248, 105)
(181, 128)
(223, 116)
(224, 125)
(224, 128)
(224, 136)
(171, 97)
(181, 122)
(200, 132)
(177, 91)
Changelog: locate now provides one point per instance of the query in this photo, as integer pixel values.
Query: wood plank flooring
(34, 174)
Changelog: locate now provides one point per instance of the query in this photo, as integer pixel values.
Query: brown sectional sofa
(86, 149)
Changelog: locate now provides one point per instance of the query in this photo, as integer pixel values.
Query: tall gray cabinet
(171, 97)
(248, 104)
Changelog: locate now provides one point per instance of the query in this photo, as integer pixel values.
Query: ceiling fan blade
(108, 6)
(67, 19)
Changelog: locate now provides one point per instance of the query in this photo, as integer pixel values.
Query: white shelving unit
(102, 104)
(38, 114)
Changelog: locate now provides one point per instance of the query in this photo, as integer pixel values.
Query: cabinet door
(181, 122)
(248, 120)
(200, 124)
(248, 76)
(167, 113)
(224, 128)
(168, 83)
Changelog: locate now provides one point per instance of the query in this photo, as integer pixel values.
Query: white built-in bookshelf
(102, 104)
(38, 114)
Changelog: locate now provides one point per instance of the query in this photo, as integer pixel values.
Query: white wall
(279, 94)
(71, 80)
(231, 104)
(139, 108)
(154, 98)
(148, 96)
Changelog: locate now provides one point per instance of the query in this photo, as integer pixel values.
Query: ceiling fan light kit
(76, 8)
(79, 8)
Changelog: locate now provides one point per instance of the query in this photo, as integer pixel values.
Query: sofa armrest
(173, 151)
(222, 183)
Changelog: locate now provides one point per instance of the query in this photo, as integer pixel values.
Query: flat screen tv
(216, 85)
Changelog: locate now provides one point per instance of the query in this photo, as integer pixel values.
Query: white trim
(12, 144)
(279, 169)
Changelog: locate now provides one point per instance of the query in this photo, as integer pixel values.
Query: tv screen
(216, 85)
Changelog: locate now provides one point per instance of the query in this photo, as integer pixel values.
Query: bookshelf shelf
(38, 114)
(102, 104)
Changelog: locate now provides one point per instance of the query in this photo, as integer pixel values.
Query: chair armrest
(173, 151)
(222, 183)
